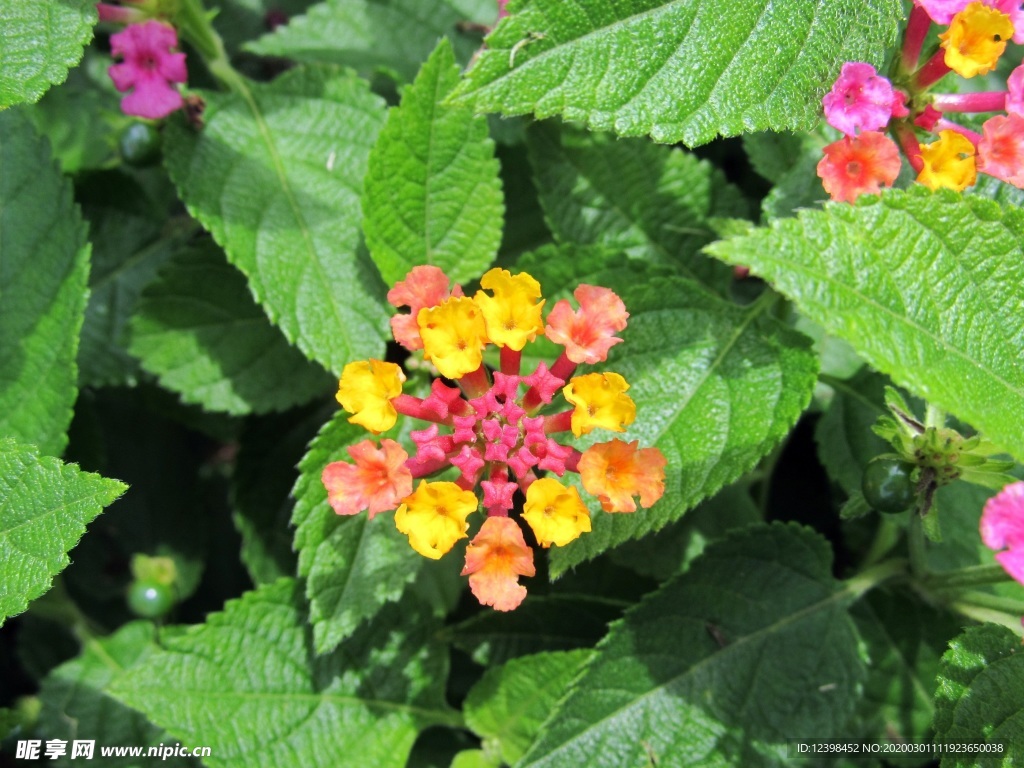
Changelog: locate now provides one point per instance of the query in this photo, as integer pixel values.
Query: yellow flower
(975, 40)
(555, 512)
(512, 316)
(366, 390)
(434, 517)
(600, 401)
(948, 163)
(454, 334)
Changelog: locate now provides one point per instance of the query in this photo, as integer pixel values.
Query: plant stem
(982, 614)
(916, 546)
(193, 22)
(886, 537)
(995, 602)
(872, 577)
(975, 576)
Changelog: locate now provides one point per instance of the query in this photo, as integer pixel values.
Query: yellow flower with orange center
(555, 512)
(949, 163)
(513, 313)
(454, 335)
(601, 401)
(495, 559)
(975, 40)
(434, 517)
(366, 389)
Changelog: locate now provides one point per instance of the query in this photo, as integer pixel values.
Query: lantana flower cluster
(865, 106)
(151, 65)
(500, 429)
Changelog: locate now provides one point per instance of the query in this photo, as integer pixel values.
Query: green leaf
(651, 202)
(925, 286)
(276, 176)
(542, 623)
(980, 696)
(248, 685)
(845, 441)
(83, 117)
(394, 36)
(719, 667)
(41, 41)
(773, 154)
(508, 705)
(353, 566)
(716, 388)
(44, 508)
(75, 700)
(198, 330)
(670, 550)
(131, 240)
(44, 266)
(239, 21)
(905, 639)
(433, 194)
(678, 70)
(270, 447)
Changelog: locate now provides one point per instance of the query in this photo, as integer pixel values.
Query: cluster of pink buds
(151, 66)
(498, 429)
(864, 105)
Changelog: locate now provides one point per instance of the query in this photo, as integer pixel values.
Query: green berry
(150, 599)
(140, 145)
(887, 485)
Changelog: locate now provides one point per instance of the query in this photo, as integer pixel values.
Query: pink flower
(588, 333)
(1002, 528)
(1001, 149)
(149, 67)
(1015, 87)
(119, 15)
(859, 165)
(862, 100)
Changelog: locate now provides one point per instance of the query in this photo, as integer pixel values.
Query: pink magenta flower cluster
(864, 105)
(497, 429)
(151, 65)
(1002, 528)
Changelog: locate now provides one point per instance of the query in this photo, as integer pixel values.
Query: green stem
(887, 535)
(193, 23)
(983, 614)
(916, 546)
(975, 576)
(869, 579)
(1010, 605)
(934, 417)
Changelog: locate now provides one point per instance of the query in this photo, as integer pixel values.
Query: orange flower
(588, 333)
(495, 560)
(617, 471)
(857, 165)
(424, 286)
(378, 480)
